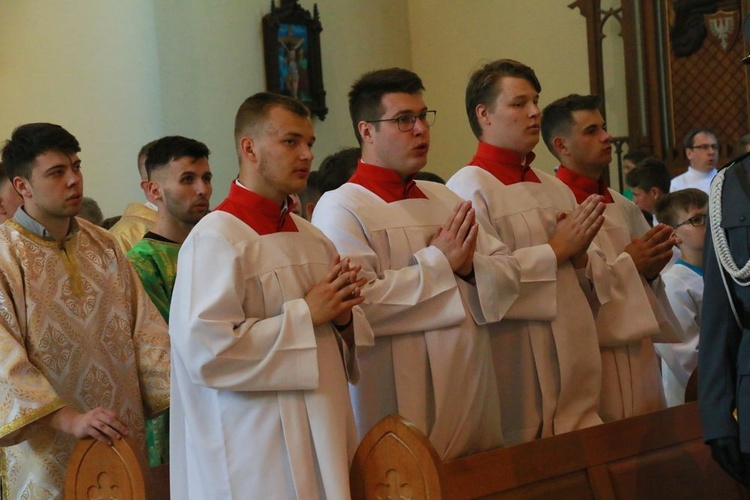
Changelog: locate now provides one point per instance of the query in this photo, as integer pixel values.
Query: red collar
(265, 216)
(583, 187)
(385, 183)
(506, 165)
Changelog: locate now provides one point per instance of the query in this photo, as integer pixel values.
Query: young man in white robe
(545, 351)
(84, 351)
(574, 131)
(264, 328)
(427, 288)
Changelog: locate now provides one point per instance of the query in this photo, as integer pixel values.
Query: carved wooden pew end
(120, 472)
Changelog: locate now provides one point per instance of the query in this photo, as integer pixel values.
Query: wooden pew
(659, 455)
(120, 471)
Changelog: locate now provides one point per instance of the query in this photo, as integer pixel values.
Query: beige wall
(148, 68)
(97, 79)
(118, 74)
(451, 39)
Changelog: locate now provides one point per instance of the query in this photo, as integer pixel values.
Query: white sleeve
(220, 346)
(391, 295)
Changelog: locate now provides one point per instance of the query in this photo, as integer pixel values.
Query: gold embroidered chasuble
(76, 329)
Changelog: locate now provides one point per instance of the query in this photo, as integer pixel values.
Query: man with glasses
(427, 288)
(702, 151)
(637, 311)
(545, 351)
(685, 211)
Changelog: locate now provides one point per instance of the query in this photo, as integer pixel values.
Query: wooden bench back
(659, 455)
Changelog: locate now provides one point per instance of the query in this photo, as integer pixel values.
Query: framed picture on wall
(291, 45)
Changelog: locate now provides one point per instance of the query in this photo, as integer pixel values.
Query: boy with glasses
(685, 211)
(427, 289)
(702, 151)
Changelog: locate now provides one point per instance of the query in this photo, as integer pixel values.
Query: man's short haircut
(310, 194)
(254, 110)
(669, 208)
(557, 117)
(366, 94)
(687, 142)
(649, 173)
(3, 174)
(338, 168)
(170, 148)
(90, 211)
(141, 160)
(31, 140)
(483, 86)
(635, 156)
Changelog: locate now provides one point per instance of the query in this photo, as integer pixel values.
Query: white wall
(451, 39)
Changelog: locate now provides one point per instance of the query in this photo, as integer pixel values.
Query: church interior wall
(119, 74)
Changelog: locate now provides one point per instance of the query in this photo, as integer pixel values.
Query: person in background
(649, 181)
(138, 217)
(10, 200)
(629, 161)
(686, 211)
(179, 182)
(702, 151)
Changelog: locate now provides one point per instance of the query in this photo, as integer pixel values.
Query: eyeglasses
(695, 221)
(406, 123)
(706, 147)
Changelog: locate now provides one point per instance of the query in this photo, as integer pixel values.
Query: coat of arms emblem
(723, 27)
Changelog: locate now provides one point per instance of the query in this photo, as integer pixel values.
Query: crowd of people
(252, 346)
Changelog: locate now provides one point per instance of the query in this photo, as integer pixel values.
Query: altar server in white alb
(574, 131)
(545, 350)
(427, 288)
(264, 325)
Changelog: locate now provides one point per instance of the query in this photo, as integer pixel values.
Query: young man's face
(184, 189)
(588, 146)
(55, 190)
(646, 200)
(385, 145)
(283, 151)
(512, 121)
(690, 237)
(704, 153)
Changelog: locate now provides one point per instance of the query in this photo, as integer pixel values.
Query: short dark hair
(254, 110)
(669, 207)
(635, 156)
(483, 89)
(337, 168)
(141, 160)
(90, 211)
(31, 140)
(687, 142)
(170, 148)
(649, 173)
(366, 94)
(557, 117)
(310, 194)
